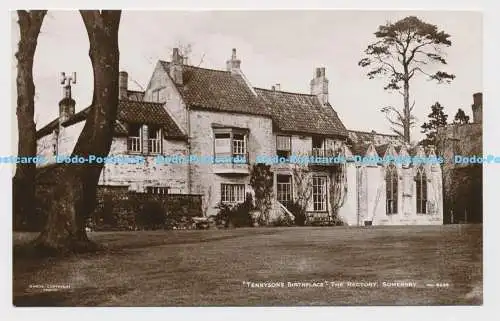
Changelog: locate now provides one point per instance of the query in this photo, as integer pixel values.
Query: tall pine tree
(461, 118)
(437, 118)
(403, 51)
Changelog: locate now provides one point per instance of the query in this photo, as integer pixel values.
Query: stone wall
(150, 173)
(462, 183)
(137, 176)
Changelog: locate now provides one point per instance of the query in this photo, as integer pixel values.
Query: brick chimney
(233, 64)
(477, 108)
(319, 85)
(67, 103)
(176, 67)
(123, 86)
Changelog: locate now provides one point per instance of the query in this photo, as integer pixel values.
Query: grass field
(210, 268)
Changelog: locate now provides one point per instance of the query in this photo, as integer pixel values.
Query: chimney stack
(67, 103)
(176, 67)
(123, 85)
(477, 108)
(319, 85)
(233, 64)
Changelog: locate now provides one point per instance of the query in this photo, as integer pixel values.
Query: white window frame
(135, 140)
(280, 141)
(155, 145)
(284, 192)
(238, 146)
(319, 194)
(231, 193)
(235, 147)
(160, 190)
(318, 151)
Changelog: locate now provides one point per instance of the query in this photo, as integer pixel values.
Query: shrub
(235, 215)
(299, 212)
(152, 216)
(240, 214)
(222, 217)
(283, 220)
(261, 180)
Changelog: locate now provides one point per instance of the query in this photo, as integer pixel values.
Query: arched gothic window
(421, 180)
(391, 187)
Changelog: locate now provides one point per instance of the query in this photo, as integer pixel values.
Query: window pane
(421, 184)
(283, 143)
(319, 193)
(134, 130)
(239, 148)
(222, 146)
(391, 181)
(222, 135)
(232, 193)
(153, 132)
(317, 142)
(284, 189)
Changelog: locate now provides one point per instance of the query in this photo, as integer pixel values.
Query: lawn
(213, 268)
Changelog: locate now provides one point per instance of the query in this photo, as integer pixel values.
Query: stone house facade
(188, 112)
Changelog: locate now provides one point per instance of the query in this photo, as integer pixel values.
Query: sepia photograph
(250, 158)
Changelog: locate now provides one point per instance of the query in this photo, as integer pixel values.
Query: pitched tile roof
(128, 112)
(356, 136)
(301, 113)
(217, 90)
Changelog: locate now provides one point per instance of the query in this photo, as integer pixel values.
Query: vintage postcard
(249, 158)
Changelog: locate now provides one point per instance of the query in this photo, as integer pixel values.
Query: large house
(197, 112)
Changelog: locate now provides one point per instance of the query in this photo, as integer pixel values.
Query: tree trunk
(23, 190)
(406, 114)
(75, 194)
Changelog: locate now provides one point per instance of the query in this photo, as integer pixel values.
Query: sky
(281, 47)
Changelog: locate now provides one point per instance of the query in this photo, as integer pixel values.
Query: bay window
(230, 143)
(283, 146)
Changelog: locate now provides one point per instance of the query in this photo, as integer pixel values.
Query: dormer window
(154, 140)
(318, 146)
(134, 139)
